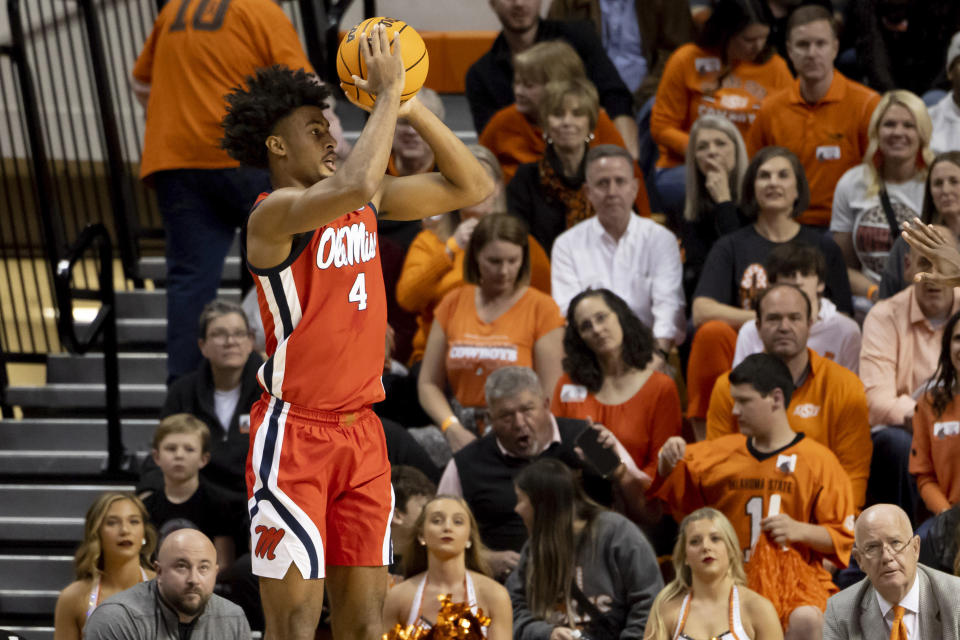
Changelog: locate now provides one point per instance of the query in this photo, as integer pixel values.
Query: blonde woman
(715, 163)
(118, 541)
(874, 198)
(709, 597)
(445, 558)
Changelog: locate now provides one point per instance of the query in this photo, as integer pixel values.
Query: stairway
(51, 461)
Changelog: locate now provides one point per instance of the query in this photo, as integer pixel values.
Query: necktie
(899, 630)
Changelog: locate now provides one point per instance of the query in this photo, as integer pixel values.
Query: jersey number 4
(358, 292)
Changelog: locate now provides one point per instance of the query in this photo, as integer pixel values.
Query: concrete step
(64, 395)
(155, 268)
(136, 368)
(47, 513)
(71, 435)
(59, 503)
(29, 632)
(35, 573)
(144, 304)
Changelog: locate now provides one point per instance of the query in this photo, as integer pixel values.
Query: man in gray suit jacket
(899, 599)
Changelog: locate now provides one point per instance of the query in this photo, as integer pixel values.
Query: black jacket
(193, 393)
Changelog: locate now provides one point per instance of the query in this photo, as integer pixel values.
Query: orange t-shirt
(642, 424)
(514, 140)
(694, 83)
(934, 454)
(732, 476)
(829, 137)
(830, 407)
(191, 60)
(429, 273)
(476, 348)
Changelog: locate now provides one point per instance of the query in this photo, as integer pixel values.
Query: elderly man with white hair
(900, 598)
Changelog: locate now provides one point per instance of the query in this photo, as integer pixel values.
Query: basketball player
(740, 473)
(317, 474)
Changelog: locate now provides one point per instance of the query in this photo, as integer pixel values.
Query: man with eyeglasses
(522, 429)
(900, 598)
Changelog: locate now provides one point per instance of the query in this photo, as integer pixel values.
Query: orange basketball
(416, 62)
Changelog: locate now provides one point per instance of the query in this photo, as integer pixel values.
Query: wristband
(872, 291)
(449, 421)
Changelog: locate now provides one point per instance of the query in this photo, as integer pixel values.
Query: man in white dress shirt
(899, 599)
(634, 257)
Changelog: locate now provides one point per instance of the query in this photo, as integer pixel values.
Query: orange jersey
(642, 424)
(695, 83)
(476, 348)
(324, 312)
(198, 51)
(730, 475)
(829, 136)
(830, 407)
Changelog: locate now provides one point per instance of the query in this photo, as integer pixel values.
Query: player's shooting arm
(461, 181)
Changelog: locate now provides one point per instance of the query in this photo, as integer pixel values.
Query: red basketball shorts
(318, 489)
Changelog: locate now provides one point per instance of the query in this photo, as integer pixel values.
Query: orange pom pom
(416, 61)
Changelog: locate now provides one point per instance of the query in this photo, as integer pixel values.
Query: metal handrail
(104, 326)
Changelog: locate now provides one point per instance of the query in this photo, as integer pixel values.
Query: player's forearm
(366, 165)
(454, 160)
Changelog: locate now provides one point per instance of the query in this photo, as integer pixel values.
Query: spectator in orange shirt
(937, 421)
(514, 133)
(434, 262)
(775, 192)
(188, 63)
(496, 321)
(728, 72)
(828, 403)
(823, 117)
(550, 194)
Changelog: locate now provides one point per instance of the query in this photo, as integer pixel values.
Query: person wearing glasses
(900, 598)
(220, 392)
(522, 430)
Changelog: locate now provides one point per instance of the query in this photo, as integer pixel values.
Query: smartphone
(604, 461)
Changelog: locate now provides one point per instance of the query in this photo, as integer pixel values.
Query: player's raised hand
(940, 250)
(384, 64)
(670, 454)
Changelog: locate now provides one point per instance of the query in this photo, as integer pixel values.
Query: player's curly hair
(254, 109)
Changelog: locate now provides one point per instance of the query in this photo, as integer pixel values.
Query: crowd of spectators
(701, 377)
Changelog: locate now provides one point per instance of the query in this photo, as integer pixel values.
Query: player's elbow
(480, 187)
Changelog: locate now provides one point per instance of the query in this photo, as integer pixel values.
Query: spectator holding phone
(586, 572)
(522, 431)
(610, 375)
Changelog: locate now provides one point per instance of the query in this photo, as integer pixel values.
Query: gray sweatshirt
(139, 614)
(618, 573)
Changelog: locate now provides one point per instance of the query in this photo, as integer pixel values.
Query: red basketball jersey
(324, 312)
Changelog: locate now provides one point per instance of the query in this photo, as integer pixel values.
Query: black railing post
(121, 198)
(49, 213)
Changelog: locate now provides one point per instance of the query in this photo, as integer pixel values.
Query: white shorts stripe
(294, 546)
